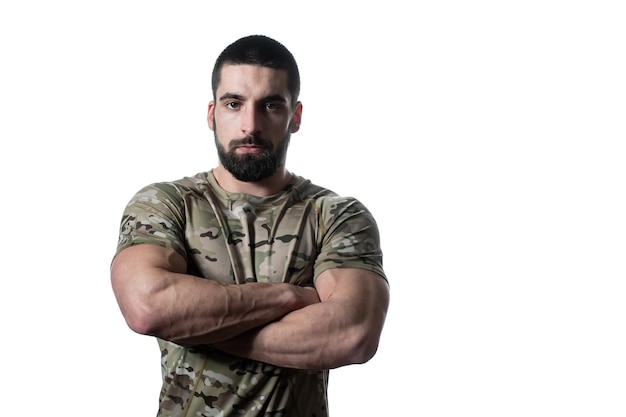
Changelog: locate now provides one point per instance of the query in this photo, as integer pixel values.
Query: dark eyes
(234, 105)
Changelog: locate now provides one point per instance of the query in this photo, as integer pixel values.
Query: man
(254, 281)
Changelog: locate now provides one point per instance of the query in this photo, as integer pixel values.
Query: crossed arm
(337, 323)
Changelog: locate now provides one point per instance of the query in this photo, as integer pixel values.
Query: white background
(486, 137)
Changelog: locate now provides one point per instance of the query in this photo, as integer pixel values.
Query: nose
(250, 123)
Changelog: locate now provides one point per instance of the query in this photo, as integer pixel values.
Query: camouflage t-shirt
(236, 238)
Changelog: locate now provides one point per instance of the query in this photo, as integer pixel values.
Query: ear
(296, 119)
(210, 117)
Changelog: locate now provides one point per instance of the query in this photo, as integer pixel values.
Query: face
(252, 118)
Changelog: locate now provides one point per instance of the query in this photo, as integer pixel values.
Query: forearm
(158, 299)
(192, 319)
(343, 329)
(303, 340)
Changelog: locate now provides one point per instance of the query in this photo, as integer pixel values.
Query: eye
(272, 106)
(232, 105)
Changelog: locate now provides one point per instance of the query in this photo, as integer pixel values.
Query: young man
(254, 281)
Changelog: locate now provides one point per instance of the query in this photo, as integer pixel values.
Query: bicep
(362, 293)
(139, 271)
(146, 256)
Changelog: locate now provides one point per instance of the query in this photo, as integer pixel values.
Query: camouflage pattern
(236, 238)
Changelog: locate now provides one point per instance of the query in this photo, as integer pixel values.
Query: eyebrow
(227, 96)
(271, 97)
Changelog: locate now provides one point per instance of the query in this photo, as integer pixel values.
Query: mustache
(251, 140)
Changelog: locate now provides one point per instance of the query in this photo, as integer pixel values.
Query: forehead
(252, 81)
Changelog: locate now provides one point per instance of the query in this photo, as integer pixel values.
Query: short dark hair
(259, 50)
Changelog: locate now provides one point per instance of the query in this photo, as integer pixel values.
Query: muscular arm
(157, 298)
(343, 329)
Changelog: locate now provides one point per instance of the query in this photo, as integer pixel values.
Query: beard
(252, 167)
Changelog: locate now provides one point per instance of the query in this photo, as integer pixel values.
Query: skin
(337, 323)
(253, 100)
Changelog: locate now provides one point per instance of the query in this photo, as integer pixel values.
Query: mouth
(251, 145)
(249, 149)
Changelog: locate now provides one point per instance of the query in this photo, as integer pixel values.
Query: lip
(249, 149)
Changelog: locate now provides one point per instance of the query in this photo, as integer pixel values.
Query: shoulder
(305, 190)
(170, 191)
(332, 208)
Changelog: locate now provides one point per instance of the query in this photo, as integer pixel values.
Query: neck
(264, 188)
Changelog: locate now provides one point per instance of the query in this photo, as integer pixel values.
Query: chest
(240, 242)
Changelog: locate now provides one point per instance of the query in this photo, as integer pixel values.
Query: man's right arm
(157, 298)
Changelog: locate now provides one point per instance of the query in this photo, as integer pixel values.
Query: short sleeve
(350, 236)
(155, 215)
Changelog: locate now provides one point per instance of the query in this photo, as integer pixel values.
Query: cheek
(225, 121)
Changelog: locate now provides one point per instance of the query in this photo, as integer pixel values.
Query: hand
(309, 295)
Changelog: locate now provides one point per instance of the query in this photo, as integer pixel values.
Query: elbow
(363, 339)
(140, 312)
(358, 349)
(364, 350)
(138, 304)
(141, 320)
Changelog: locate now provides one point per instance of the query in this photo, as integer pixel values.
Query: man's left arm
(344, 328)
